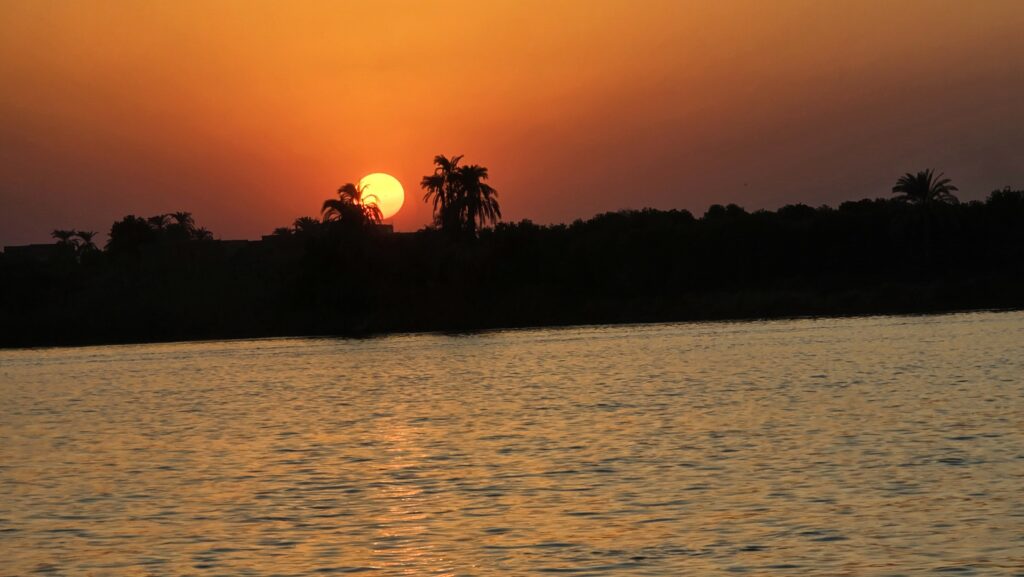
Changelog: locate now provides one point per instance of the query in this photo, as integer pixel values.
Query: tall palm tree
(352, 205)
(442, 190)
(479, 200)
(462, 201)
(925, 188)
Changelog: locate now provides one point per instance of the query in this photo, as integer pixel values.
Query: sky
(249, 114)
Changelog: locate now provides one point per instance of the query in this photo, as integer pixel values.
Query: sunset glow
(681, 287)
(120, 107)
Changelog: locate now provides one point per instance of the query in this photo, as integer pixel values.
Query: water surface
(871, 446)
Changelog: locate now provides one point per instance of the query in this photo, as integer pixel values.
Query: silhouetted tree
(351, 207)
(442, 191)
(719, 212)
(68, 242)
(131, 232)
(127, 234)
(462, 201)
(85, 240)
(478, 200)
(84, 247)
(180, 226)
(925, 188)
(1007, 200)
(306, 225)
(65, 237)
(159, 221)
(183, 219)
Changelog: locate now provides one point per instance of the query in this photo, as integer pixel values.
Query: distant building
(33, 252)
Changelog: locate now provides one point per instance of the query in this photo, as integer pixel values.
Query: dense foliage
(164, 278)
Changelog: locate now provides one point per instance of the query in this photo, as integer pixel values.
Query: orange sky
(249, 114)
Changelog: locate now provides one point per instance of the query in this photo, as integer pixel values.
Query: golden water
(872, 446)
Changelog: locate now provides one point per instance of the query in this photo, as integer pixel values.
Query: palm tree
(86, 236)
(442, 189)
(158, 222)
(462, 201)
(924, 188)
(479, 200)
(352, 205)
(65, 237)
(183, 219)
(927, 191)
(201, 233)
(178, 226)
(306, 225)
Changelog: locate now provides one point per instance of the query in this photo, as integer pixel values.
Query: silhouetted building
(32, 252)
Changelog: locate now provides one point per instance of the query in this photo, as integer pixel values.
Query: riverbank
(866, 257)
(902, 301)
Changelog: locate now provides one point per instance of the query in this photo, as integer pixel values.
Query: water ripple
(873, 446)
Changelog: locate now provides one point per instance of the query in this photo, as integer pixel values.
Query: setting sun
(385, 190)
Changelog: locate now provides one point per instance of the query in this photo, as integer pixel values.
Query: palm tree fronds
(925, 188)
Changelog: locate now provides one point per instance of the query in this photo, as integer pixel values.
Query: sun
(385, 190)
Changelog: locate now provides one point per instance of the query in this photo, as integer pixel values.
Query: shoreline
(510, 327)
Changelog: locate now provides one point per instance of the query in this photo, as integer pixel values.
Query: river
(858, 446)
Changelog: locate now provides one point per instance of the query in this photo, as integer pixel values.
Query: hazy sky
(249, 114)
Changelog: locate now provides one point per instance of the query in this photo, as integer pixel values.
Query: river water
(867, 446)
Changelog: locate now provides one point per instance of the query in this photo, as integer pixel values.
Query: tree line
(160, 278)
